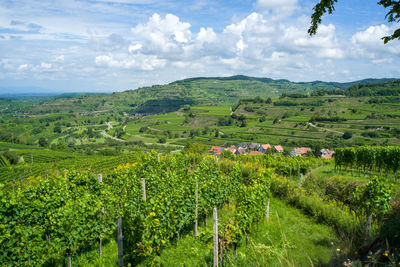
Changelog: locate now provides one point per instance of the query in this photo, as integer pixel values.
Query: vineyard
(369, 158)
(153, 200)
(39, 163)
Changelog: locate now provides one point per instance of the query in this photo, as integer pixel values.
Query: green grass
(290, 238)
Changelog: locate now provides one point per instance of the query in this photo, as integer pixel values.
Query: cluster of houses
(138, 115)
(257, 149)
(30, 116)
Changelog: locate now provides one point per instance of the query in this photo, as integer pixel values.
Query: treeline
(369, 158)
(234, 119)
(322, 92)
(317, 118)
(389, 88)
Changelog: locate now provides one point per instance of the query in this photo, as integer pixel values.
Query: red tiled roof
(266, 146)
(278, 148)
(301, 150)
(328, 154)
(215, 149)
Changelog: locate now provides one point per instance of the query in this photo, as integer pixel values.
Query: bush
(347, 135)
(11, 157)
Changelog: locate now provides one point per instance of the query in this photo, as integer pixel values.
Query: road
(326, 129)
(112, 137)
(109, 125)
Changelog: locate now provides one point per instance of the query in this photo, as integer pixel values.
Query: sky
(116, 45)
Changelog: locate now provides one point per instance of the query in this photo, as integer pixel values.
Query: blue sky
(116, 45)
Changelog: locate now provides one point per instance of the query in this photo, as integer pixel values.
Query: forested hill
(387, 88)
(170, 97)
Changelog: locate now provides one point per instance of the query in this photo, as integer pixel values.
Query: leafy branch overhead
(328, 6)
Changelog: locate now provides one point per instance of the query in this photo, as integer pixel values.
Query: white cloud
(134, 48)
(138, 61)
(109, 61)
(22, 67)
(45, 65)
(369, 44)
(60, 58)
(162, 35)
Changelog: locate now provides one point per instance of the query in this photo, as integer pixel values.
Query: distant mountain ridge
(191, 91)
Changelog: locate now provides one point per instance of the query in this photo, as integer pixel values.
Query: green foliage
(374, 197)
(43, 142)
(8, 158)
(194, 147)
(347, 135)
(4, 162)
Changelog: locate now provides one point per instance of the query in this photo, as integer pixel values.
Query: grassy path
(290, 238)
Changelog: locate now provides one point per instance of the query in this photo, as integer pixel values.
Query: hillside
(387, 88)
(194, 91)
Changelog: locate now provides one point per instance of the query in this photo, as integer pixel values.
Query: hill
(193, 91)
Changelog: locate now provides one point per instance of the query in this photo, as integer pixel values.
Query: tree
(347, 135)
(43, 142)
(57, 129)
(328, 6)
(192, 147)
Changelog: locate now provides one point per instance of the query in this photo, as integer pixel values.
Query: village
(259, 149)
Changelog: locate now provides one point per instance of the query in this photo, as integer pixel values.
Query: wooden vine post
(120, 243)
(68, 260)
(267, 212)
(102, 211)
(215, 237)
(196, 207)
(143, 189)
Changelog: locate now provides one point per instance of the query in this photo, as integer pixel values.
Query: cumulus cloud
(138, 62)
(368, 43)
(247, 45)
(162, 35)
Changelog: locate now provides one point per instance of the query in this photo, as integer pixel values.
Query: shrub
(347, 135)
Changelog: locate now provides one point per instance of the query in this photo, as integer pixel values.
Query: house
(278, 148)
(327, 154)
(243, 145)
(252, 153)
(233, 150)
(264, 147)
(216, 150)
(300, 151)
(254, 146)
(241, 151)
